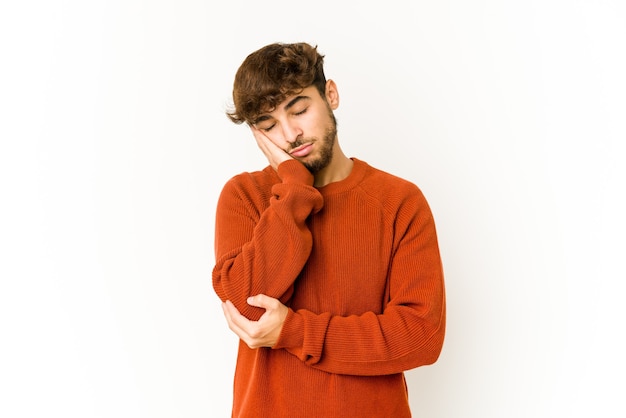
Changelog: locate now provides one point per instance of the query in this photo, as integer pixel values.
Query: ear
(332, 94)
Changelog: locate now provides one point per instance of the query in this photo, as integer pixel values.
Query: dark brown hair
(271, 74)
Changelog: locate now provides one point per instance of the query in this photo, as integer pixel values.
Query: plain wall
(114, 146)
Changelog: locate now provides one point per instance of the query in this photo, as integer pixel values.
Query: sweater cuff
(293, 171)
(291, 336)
(303, 335)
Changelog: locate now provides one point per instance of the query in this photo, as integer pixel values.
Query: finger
(269, 148)
(261, 139)
(246, 328)
(234, 319)
(248, 331)
(227, 315)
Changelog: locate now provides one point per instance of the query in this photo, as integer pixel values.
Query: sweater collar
(354, 178)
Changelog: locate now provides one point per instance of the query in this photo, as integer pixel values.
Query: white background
(510, 115)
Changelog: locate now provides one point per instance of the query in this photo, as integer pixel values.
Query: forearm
(258, 266)
(397, 340)
(260, 247)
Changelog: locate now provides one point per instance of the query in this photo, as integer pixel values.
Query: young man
(329, 269)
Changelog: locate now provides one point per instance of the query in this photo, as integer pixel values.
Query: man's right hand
(275, 155)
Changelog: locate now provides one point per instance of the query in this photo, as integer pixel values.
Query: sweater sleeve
(260, 248)
(410, 330)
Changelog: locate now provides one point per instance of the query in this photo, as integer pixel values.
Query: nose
(291, 132)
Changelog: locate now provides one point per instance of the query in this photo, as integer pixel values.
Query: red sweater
(357, 263)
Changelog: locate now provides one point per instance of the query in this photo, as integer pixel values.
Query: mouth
(302, 150)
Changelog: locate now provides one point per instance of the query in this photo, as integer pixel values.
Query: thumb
(262, 301)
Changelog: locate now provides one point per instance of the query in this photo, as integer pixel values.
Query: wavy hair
(271, 74)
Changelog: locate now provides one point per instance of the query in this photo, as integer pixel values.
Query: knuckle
(255, 334)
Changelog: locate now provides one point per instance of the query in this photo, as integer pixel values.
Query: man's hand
(261, 333)
(275, 155)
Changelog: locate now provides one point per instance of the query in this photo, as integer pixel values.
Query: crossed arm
(409, 332)
(265, 331)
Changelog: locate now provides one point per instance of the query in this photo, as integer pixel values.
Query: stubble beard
(325, 149)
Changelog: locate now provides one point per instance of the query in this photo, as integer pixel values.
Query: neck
(339, 168)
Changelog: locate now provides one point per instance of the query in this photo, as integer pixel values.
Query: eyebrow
(294, 101)
(288, 106)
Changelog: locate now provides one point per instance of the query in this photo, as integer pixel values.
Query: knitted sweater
(357, 263)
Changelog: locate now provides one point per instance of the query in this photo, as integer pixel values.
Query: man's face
(304, 126)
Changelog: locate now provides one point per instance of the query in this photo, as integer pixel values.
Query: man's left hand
(261, 333)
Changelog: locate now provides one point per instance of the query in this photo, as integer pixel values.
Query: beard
(325, 147)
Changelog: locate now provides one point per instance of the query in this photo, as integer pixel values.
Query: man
(329, 269)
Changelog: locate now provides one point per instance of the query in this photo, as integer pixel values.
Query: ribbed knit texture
(358, 264)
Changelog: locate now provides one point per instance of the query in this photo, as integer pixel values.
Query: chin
(318, 165)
